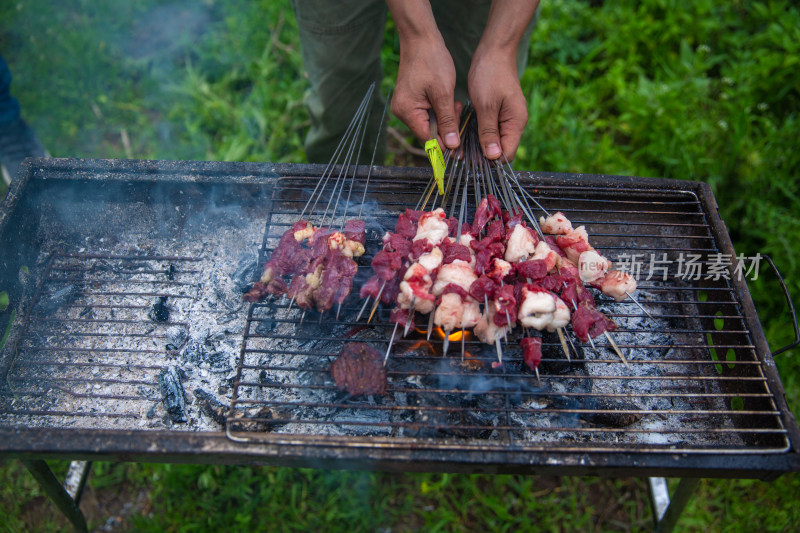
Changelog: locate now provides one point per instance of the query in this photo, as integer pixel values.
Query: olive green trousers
(341, 44)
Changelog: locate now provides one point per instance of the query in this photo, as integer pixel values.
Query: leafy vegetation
(699, 90)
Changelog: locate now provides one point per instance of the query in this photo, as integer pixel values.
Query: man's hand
(426, 77)
(499, 103)
(493, 81)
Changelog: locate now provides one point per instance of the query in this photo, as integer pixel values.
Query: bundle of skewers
(506, 268)
(314, 262)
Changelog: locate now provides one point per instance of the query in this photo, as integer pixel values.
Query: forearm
(505, 27)
(414, 22)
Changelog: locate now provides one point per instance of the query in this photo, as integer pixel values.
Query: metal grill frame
(210, 447)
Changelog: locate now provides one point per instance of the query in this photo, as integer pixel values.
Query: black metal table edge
(212, 448)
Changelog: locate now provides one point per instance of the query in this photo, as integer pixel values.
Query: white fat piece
(432, 227)
(546, 254)
(458, 272)
(498, 268)
(592, 266)
(561, 316)
(472, 313)
(487, 331)
(465, 239)
(618, 285)
(304, 233)
(352, 249)
(449, 313)
(521, 244)
(556, 224)
(536, 310)
(431, 260)
(422, 282)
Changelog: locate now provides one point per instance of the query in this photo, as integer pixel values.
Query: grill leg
(666, 511)
(60, 495)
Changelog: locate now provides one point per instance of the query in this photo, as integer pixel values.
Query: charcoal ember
(205, 353)
(172, 394)
(176, 337)
(159, 312)
(610, 412)
(211, 406)
(61, 297)
(359, 370)
(246, 271)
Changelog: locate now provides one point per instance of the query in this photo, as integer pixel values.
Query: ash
(140, 318)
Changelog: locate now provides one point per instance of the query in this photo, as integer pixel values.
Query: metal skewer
(640, 305)
(391, 341)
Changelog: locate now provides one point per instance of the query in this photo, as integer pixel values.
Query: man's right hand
(426, 77)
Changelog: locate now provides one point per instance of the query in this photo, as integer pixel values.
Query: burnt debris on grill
(246, 271)
(159, 312)
(207, 352)
(172, 394)
(359, 370)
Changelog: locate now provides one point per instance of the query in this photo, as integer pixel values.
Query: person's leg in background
(17, 139)
(341, 43)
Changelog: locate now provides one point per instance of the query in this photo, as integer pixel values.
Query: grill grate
(694, 385)
(92, 355)
(91, 365)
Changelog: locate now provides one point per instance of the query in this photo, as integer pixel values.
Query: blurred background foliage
(701, 90)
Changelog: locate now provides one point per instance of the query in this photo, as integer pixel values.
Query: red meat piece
(407, 223)
(401, 317)
(398, 243)
(496, 231)
(453, 288)
(495, 209)
(297, 226)
(301, 292)
(355, 230)
(482, 287)
(531, 351)
(483, 259)
(553, 283)
(550, 240)
(371, 288)
(452, 226)
(419, 247)
(532, 269)
(257, 293)
(387, 264)
(391, 290)
(511, 221)
(574, 242)
(481, 217)
(452, 251)
(506, 305)
(588, 322)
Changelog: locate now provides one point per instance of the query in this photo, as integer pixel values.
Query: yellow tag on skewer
(437, 162)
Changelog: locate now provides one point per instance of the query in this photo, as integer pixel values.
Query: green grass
(697, 90)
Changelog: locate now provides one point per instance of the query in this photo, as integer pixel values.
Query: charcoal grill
(124, 273)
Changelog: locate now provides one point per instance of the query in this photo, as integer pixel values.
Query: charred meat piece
(359, 370)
